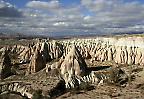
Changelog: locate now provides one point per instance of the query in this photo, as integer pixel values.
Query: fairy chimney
(37, 62)
(73, 63)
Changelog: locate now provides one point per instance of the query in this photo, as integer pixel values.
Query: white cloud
(99, 5)
(60, 24)
(8, 10)
(52, 18)
(87, 17)
(54, 4)
(5, 4)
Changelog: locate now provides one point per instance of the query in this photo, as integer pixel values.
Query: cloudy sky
(71, 17)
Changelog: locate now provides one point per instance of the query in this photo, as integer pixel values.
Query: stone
(73, 63)
(5, 64)
(37, 62)
(45, 52)
(73, 66)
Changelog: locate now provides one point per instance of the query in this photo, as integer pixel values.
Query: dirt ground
(39, 80)
(132, 90)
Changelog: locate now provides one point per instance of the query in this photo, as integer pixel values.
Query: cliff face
(122, 51)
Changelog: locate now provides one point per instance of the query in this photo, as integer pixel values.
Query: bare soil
(40, 80)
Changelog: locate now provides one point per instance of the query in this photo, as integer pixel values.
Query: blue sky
(22, 3)
(71, 17)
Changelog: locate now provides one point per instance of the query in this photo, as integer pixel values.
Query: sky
(71, 17)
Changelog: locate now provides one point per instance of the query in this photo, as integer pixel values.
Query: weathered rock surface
(122, 51)
(5, 64)
(73, 63)
(70, 66)
(128, 50)
(37, 63)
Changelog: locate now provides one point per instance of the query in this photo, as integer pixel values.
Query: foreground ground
(133, 90)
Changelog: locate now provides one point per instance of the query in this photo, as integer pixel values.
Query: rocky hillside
(56, 68)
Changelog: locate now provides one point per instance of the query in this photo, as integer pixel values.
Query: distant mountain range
(120, 33)
(22, 36)
(18, 36)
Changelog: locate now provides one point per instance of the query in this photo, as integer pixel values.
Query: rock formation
(121, 51)
(72, 66)
(5, 64)
(70, 56)
(37, 62)
(73, 63)
(45, 52)
(25, 55)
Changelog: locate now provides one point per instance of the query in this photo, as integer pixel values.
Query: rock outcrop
(37, 63)
(71, 67)
(5, 64)
(73, 63)
(45, 52)
(122, 51)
